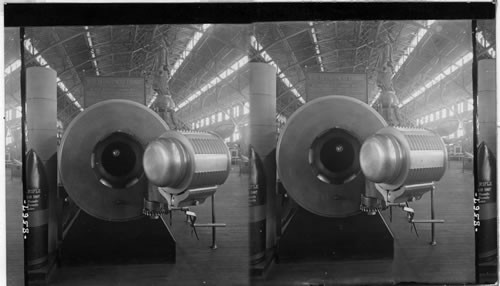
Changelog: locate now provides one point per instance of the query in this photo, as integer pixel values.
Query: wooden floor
(451, 261)
(13, 210)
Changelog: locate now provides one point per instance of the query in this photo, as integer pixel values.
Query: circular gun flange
(342, 117)
(95, 132)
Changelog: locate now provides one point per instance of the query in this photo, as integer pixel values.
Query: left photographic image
(132, 168)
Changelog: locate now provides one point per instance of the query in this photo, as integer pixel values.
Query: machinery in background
(120, 163)
(385, 71)
(164, 105)
(15, 167)
(455, 151)
(234, 149)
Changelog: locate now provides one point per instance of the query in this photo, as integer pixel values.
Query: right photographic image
(372, 152)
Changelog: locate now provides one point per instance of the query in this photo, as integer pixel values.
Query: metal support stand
(214, 245)
(433, 226)
(411, 214)
(191, 219)
(390, 205)
(213, 225)
(432, 221)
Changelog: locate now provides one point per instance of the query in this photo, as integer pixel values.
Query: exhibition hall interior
(268, 153)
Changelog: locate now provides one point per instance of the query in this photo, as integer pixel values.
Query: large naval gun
(338, 160)
(121, 165)
(335, 150)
